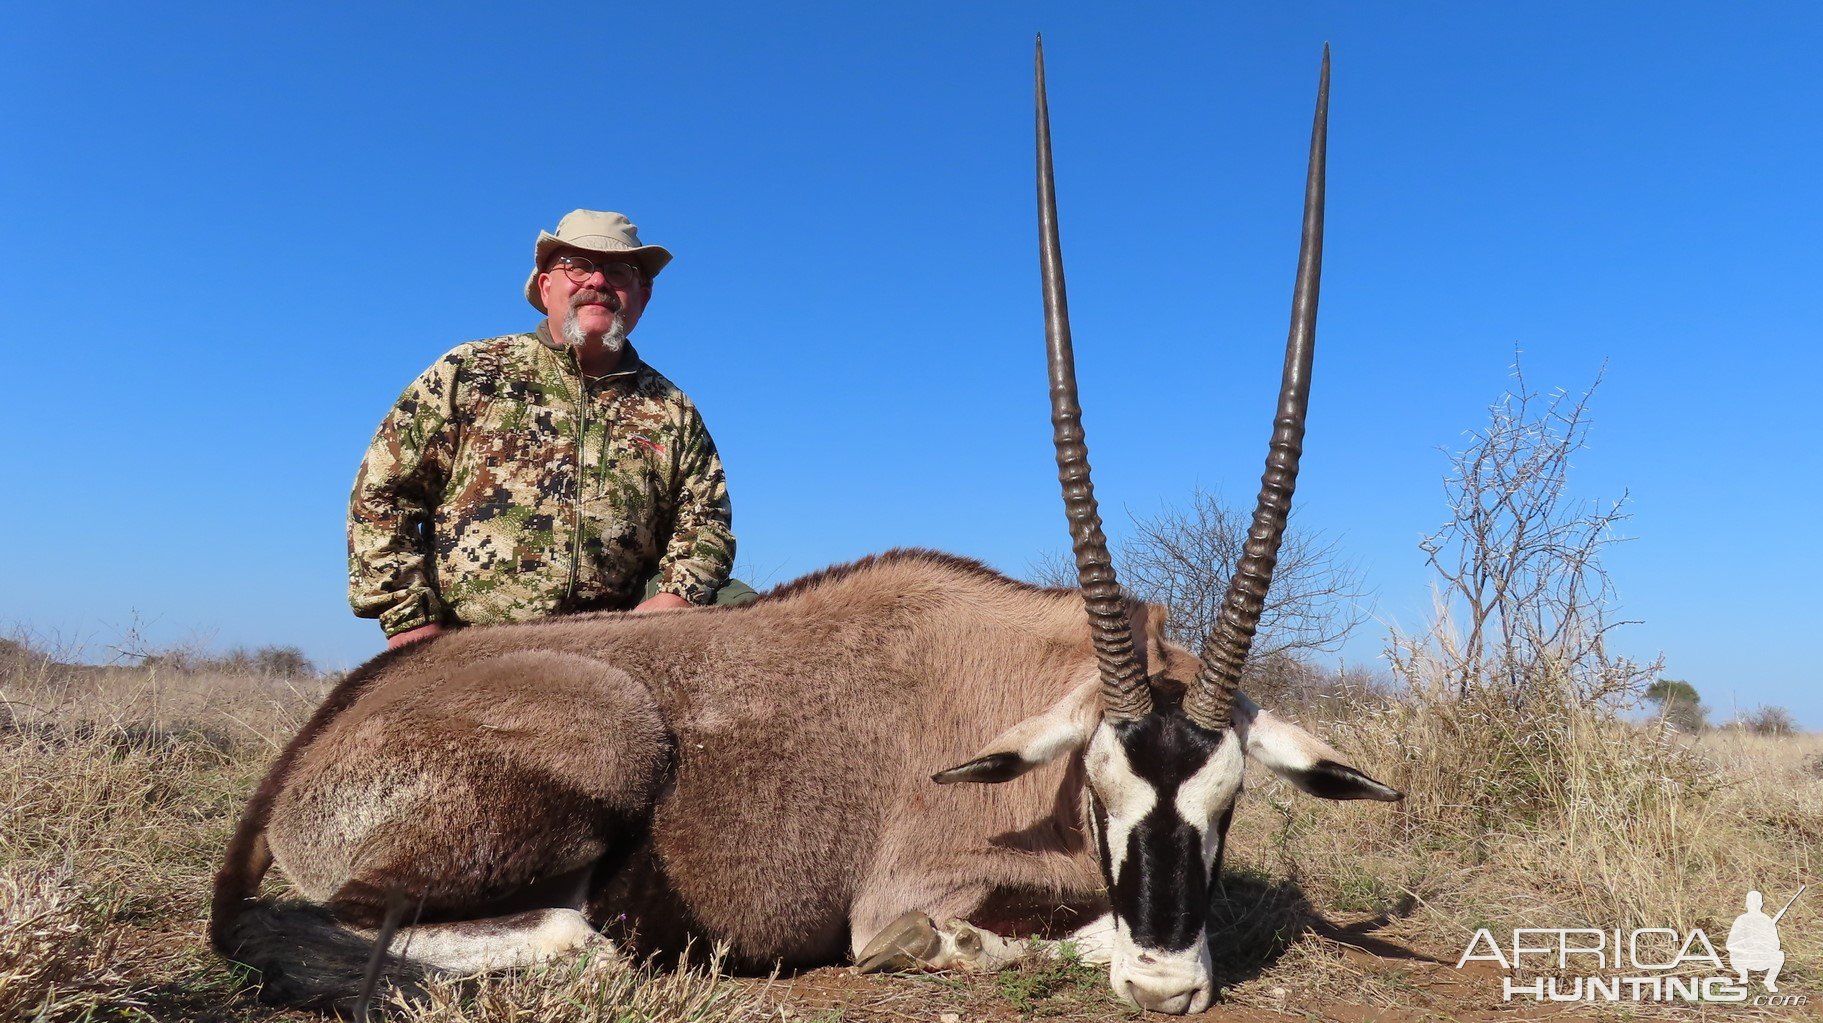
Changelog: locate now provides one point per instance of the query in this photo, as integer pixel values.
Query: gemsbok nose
(1173, 995)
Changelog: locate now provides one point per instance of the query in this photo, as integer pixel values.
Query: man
(544, 473)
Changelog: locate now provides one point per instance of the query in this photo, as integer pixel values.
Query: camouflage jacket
(504, 486)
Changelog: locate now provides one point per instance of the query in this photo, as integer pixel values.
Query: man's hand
(413, 635)
(662, 602)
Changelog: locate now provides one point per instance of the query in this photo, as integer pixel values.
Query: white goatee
(614, 340)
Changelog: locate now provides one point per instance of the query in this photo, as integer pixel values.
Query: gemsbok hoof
(909, 943)
(967, 947)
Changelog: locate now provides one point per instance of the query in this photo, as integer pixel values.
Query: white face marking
(1124, 795)
(1212, 789)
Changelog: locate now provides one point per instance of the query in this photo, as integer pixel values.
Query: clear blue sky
(233, 232)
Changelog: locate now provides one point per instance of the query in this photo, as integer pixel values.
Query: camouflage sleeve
(400, 481)
(700, 552)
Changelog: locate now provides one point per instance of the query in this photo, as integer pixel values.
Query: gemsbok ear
(1061, 729)
(1301, 758)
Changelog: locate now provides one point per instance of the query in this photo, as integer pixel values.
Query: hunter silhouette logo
(1645, 964)
(1753, 941)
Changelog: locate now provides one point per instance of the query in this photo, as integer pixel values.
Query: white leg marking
(499, 943)
(1094, 941)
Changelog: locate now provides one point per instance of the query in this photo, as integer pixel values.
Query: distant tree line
(1681, 707)
(281, 662)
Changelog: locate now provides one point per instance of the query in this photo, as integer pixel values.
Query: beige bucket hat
(594, 231)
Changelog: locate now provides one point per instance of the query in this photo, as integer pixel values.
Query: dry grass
(60, 954)
(596, 989)
(121, 786)
(112, 830)
(1553, 815)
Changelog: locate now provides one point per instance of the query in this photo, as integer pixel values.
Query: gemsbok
(762, 776)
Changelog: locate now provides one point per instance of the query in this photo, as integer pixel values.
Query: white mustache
(589, 296)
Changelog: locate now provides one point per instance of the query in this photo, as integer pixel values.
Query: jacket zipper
(582, 433)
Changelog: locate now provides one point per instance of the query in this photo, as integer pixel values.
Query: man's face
(591, 300)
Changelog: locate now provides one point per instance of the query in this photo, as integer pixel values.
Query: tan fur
(758, 775)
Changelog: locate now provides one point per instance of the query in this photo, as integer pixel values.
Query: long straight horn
(1123, 681)
(1225, 651)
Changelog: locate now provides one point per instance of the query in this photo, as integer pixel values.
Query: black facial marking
(1162, 884)
(1162, 891)
(1098, 822)
(1221, 841)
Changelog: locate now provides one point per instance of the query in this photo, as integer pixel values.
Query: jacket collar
(630, 362)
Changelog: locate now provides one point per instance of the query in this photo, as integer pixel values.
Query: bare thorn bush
(1525, 604)
(1772, 721)
(1182, 559)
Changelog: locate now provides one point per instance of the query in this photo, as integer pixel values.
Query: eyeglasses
(580, 268)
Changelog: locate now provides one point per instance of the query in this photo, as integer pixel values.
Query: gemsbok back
(762, 776)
